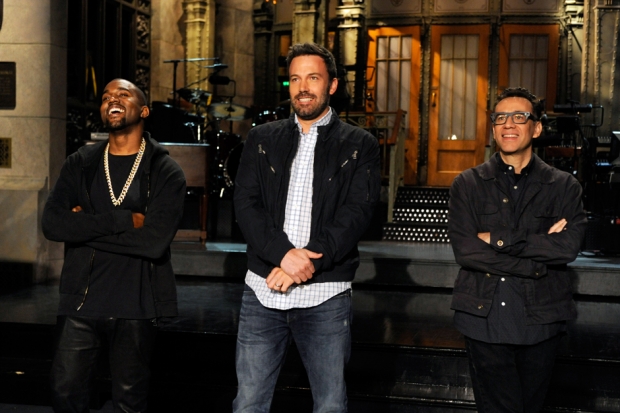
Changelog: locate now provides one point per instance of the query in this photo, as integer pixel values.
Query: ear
(333, 86)
(537, 130)
(145, 112)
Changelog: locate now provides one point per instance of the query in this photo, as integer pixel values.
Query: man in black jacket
(116, 205)
(305, 192)
(514, 224)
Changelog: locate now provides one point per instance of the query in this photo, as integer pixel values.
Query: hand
(485, 236)
(297, 265)
(76, 209)
(138, 219)
(278, 280)
(558, 226)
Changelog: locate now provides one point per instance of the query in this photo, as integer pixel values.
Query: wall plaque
(7, 85)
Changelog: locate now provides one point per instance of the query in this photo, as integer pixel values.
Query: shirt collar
(504, 167)
(321, 122)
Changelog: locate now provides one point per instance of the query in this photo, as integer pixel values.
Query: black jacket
(346, 189)
(162, 191)
(478, 204)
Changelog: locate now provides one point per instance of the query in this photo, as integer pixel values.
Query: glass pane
(472, 46)
(446, 47)
(445, 86)
(460, 47)
(394, 47)
(527, 74)
(514, 73)
(541, 79)
(382, 43)
(394, 87)
(405, 85)
(405, 51)
(515, 46)
(542, 44)
(381, 86)
(472, 98)
(529, 47)
(458, 98)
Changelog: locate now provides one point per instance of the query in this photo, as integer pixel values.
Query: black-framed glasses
(499, 118)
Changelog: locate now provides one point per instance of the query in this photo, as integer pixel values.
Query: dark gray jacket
(478, 204)
(162, 191)
(346, 189)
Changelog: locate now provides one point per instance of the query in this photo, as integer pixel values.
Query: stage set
(406, 355)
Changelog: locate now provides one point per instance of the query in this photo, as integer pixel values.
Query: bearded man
(305, 192)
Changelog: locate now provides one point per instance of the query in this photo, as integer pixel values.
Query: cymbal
(195, 96)
(228, 111)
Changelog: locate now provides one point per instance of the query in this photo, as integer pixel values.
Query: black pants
(511, 378)
(80, 340)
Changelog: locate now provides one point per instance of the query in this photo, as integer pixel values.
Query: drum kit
(191, 116)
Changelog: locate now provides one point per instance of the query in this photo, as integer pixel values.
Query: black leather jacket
(346, 189)
(478, 204)
(162, 192)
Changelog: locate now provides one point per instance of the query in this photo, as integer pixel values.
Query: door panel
(394, 82)
(459, 87)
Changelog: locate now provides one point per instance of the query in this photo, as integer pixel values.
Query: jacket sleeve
(471, 252)
(161, 220)
(60, 224)
(256, 223)
(551, 249)
(340, 235)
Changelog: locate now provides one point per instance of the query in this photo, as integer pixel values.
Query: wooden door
(394, 83)
(458, 129)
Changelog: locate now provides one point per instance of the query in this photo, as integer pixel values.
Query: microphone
(217, 66)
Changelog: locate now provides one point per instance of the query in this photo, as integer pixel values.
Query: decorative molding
(607, 4)
(531, 6)
(395, 7)
(461, 6)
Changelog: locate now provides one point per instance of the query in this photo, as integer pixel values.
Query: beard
(115, 125)
(313, 111)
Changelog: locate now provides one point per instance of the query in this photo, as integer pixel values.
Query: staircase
(420, 215)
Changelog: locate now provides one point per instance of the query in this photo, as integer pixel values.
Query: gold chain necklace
(134, 169)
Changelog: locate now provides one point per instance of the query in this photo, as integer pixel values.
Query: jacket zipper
(92, 258)
(353, 156)
(262, 151)
(368, 184)
(90, 270)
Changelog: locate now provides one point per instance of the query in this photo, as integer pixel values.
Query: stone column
(600, 77)
(306, 23)
(264, 70)
(352, 35)
(199, 39)
(34, 36)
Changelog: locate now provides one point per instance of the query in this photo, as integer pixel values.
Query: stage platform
(393, 264)
(406, 355)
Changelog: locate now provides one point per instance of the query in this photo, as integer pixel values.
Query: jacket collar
(539, 170)
(325, 130)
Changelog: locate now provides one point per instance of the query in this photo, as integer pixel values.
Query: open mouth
(115, 110)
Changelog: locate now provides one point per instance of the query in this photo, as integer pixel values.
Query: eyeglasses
(499, 118)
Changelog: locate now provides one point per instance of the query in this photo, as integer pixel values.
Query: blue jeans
(322, 335)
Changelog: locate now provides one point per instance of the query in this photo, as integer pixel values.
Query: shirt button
(500, 243)
(515, 187)
(510, 168)
(503, 304)
(505, 200)
(503, 279)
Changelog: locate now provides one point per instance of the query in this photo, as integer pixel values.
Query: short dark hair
(521, 92)
(309, 49)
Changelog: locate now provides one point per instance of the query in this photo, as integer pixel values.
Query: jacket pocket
(488, 215)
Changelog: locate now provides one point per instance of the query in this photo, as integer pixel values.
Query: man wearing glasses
(514, 224)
